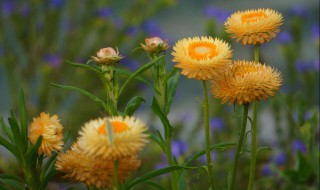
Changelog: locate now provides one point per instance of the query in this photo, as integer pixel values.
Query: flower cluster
(100, 151)
(206, 58)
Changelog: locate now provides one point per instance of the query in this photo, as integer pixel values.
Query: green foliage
(133, 105)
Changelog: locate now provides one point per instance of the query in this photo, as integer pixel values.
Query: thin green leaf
(93, 97)
(10, 176)
(156, 173)
(49, 166)
(138, 72)
(133, 105)
(156, 109)
(109, 130)
(8, 146)
(33, 153)
(6, 130)
(263, 148)
(91, 68)
(17, 134)
(170, 74)
(23, 119)
(171, 90)
(155, 185)
(47, 178)
(202, 152)
(13, 183)
(157, 140)
(3, 187)
(128, 73)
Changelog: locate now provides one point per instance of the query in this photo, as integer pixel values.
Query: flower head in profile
(128, 137)
(51, 131)
(107, 56)
(246, 82)
(93, 171)
(254, 26)
(201, 58)
(155, 45)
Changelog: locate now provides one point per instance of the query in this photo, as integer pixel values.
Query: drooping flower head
(246, 82)
(51, 131)
(80, 167)
(254, 26)
(107, 56)
(155, 45)
(128, 137)
(201, 58)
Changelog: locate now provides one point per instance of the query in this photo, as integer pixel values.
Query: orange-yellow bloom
(128, 137)
(51, 131)
(254, 26)
(96, 171)
(201, 58)
(246, 82)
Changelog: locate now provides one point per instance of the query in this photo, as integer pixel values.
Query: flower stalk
(207, 133)
(254, 131)
(239, 147)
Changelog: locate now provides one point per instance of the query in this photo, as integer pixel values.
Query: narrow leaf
(171, 90)
(139, 71)
(23, 120)
(93, 97)
(6, 130)
(203, 152)
(128, 73)
(156, 109)
(156, 173)
(13, 183)
(8, 146)
(171, 73)
(133, 105)
(109, 130)
(155, 185)
(17, 134)
(157, 140)
(33, 153)
(91, 68)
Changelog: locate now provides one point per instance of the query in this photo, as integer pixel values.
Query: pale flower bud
(107, 56)
(155, 45)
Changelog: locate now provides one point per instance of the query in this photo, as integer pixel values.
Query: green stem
(239, 147)
(254, 131)
(115, 184)
(207, 133)
(174, 174)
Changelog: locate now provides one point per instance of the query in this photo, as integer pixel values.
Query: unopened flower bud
(155, 45)
(107, 56)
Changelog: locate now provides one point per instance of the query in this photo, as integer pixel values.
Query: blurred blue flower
(56, 3)
(299, 10)
(315, 31)
(24, 10)
(299, 146)
(131, 30)
(104, 12)
(216, 13)
(7, 7)
(284, 37)
(306, 66)
(216, 123)
(130, 63)
(316, 64)
(151, 28)
(280, 159)
(117, 22)
(178, 148)
(54, 60)
(266, 170)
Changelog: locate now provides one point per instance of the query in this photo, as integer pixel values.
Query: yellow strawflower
(246, 82)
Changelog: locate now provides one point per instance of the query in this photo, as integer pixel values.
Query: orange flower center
(253, 17)
(118, 127)
(202, 50)
(244, 71)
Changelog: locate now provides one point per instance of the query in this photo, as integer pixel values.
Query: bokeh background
(37, 36)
